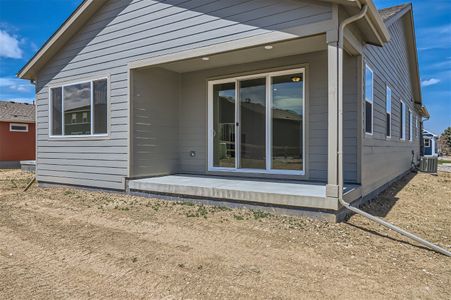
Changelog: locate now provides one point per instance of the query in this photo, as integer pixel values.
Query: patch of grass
(200, 212)
(444, 161)
(220, 208)
(185, 203)
(238, 217)
(258, 214)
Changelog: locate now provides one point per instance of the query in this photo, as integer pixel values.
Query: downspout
(340, 174)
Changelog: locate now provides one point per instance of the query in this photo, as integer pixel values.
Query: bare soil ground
(72, 243)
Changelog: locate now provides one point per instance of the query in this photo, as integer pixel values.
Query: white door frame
(268, 123)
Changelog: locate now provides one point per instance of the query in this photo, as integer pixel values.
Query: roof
(17, 112)
(428, 133)
(388, 12)
(71, 26)
(88, 7)
(392, 14)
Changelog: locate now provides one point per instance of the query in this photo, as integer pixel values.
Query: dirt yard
(71, 243)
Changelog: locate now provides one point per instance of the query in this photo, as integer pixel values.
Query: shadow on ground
(384, 203)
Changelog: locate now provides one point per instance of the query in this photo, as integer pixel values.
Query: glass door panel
(224, 125)
(252, 123)
(287, 122)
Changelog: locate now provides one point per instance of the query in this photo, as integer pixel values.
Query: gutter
(340, 172)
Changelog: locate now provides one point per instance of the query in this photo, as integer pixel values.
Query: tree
(445, 141)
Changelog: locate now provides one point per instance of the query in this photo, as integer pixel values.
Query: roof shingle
(388, 12)
(17, 112)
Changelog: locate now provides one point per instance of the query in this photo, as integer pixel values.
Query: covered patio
(250, 125)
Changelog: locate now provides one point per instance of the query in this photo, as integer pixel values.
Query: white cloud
(429, 82)
(9, 46)
(16, 85)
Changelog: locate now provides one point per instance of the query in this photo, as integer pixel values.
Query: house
(291, 104)
(17, 133)
(430, 143)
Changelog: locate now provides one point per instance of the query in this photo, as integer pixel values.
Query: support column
(332, 187)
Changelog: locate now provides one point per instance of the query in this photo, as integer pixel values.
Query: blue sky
(26, 24)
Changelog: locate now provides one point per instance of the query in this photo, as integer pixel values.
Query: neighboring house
(430, 143)
(17, 133)
(231, 100)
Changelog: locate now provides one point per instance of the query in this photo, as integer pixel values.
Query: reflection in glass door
(252, 124)
(224, 125)
(287, 119)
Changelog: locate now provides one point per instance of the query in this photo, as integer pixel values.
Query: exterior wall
(16, 146)
(155, 127)
(350, 119)
(193, 111)
(386, 158)
(123, 31)
(432, 150)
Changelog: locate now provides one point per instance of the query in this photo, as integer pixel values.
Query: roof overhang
(78, 18)
(372, 26)
(413, 57)
(422, 111)
(374, 30)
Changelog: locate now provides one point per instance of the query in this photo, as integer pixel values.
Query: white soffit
(252, 54)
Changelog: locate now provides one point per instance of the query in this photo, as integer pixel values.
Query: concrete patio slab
(292, 193)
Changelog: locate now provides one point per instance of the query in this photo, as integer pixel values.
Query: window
(388, 110)
(410, 125)
(402, 120)
(256, 123)
(79, 109)
(427, 143)
(18, 127)
(368, 100)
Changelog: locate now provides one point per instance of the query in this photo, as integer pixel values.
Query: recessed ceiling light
(296, 79)
(205, 58)
(268, 47)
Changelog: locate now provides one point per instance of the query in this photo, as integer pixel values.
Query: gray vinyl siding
(350, 118)
(123, 31)
(383, 159)
(155, 128)
(193, 111)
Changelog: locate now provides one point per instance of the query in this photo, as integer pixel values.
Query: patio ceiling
(252, 54)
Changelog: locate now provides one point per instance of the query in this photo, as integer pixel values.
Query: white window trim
(268, 169)
(417, 131)
(411, 133)
(403, 113)
(429, 142)
(369, 101)
(386, 108)
(81, 136)
(18, 124)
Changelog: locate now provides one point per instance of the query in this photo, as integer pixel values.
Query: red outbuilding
(17, 132)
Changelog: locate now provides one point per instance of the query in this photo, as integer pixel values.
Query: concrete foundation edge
(10, 164)
(326, 215)
(343, 214)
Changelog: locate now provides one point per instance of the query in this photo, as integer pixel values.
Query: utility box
(429, 164)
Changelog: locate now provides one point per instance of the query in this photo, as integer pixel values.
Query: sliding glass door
(252, 125)
(256, 123)
(224, 125)
(287, 122)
